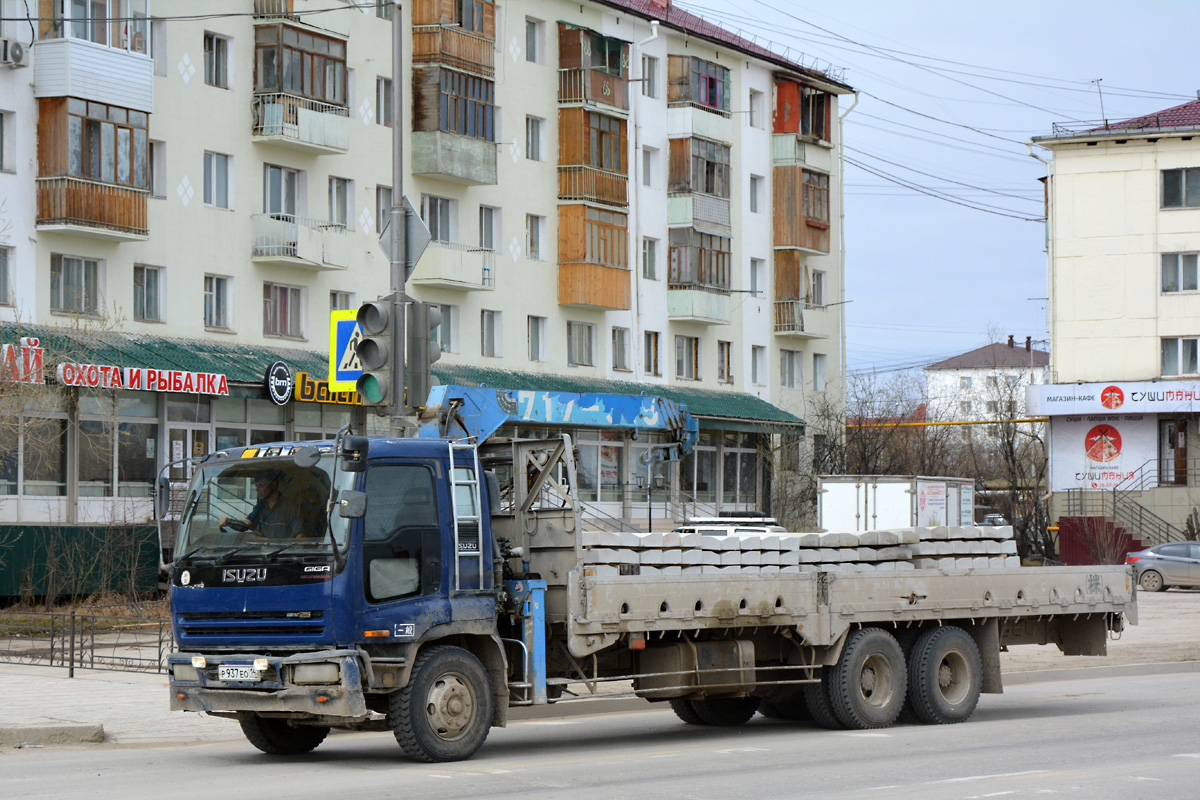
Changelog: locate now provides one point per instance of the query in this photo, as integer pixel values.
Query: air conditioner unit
(13, 53)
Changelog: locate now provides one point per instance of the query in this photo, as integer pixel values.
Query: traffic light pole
(399, 254)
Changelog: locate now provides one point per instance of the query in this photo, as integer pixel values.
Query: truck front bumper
(275, 690)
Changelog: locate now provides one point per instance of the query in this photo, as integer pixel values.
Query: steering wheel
(234, 525)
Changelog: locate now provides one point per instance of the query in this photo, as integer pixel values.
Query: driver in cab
(273, 516)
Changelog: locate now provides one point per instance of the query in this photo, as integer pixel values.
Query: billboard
(1099, 451)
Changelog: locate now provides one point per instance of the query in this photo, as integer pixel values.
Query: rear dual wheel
(721, 712)
(945, 676)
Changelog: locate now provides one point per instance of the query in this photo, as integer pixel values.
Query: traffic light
(423, 349)
(375, 385)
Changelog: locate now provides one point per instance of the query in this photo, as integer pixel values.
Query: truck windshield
(259, 507)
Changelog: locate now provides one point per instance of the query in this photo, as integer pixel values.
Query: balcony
(704, 212)
(89, 208)
(452, 46)
(593, 87)
(800, 320)
(90, 71)
(291, 241)
(695, 302)
(685, 119)
(794, 150)
(274, 9)
(591, 184)
(457, 267)
(593, 286)
(300, 123)
(450, 157)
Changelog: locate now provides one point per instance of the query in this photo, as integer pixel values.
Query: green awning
(729, 409)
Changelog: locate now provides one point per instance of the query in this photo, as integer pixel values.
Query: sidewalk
(37, 702)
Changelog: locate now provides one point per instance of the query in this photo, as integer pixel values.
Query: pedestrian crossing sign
(344, 335)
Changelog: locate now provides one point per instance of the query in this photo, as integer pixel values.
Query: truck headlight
(185, 672)
(316, 673)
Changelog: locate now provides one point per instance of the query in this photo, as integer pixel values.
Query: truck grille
(252, 623)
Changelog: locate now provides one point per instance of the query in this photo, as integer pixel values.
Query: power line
(997, 210)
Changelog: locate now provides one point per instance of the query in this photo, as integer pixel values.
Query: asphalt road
(1134, 737)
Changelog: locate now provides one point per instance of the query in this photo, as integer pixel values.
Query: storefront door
(1172, 452)
(185, 442)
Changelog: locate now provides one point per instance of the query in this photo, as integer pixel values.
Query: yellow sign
(344, 335)
(314, 391)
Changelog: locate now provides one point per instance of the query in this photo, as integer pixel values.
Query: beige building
(622, 197)
(1123, 235)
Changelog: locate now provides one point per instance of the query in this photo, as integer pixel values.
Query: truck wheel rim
(953, 676)
(450, 706)
(875, 681)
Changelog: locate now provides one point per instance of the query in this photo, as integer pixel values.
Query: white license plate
(237, 672)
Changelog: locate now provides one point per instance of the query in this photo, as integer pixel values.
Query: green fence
(77, 560)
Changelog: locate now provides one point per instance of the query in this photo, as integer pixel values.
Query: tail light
(1131, 559)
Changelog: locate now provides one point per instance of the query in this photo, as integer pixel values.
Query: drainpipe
(638, 344)
(842, 237)
(1050, 326)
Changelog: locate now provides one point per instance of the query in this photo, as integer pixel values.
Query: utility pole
(399, 254)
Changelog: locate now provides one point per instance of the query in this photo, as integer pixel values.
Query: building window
(724, 365)
(383, 9)
(533, 138)
(302, 63)
(216, 180)
(964, 406)
(649, 156)
(533, 40)
(820, 377)
(818, 288)
(757, 118)
(115, 24)
(992, 382)
(147, 293)
(789, 369)
(489, 228)
(620, 349)
(216, 301)
(649, 76)
(445, 334)
(383, 102)
(699, 260)
(341, 301)
(964, 382)
(699, 165)
(282, 310)
(758, 276)
(158, 169)
(534, 226)
(758, 365)
(993, 407)
(105, 143)
(815, 199)
(438, 213)
(1179, 272)
(650, 341)
(339, 202)
(5, 125)
(216, 60)
(1179, 357)
(1181, 188)
(755, 190)
(6, 295)
(537, 338)
(74, 285)
(467, 105)
(383, 207)
(280, 190)
(694, 81)
(814, 112)
(579, 344)
(650, 259)
(687, 358)
(491, 333)
(606, 238)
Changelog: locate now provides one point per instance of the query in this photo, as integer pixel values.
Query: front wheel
(1152, 581)
(276, 737)
(445, 711)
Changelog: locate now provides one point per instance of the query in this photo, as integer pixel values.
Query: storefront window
(95, 458)
(267, 412)
(308, 415)
(9, 452)
(137, 458)
(229, 409)
(265, 436)
(45, 457)
(698, 471)
(228, 438)
(137, 404)
(612, 463)
(187, 408)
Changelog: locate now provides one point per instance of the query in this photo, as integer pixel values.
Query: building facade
(621, 197)
(1123, 235)
(985, 384)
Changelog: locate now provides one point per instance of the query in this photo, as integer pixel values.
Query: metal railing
(591, 85)
(698, 105)
(288, 235)
(266, 9)
(74, 639)
(454, 47)
(1074, 128)
(590, 183)
(91, 204)
(302, 119)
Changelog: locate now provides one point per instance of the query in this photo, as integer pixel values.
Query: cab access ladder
(466, 503)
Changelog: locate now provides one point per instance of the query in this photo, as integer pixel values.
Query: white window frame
(216, 60)
(536, 332)
(218, 302)
(724, 362)
(581, 350)
(818, 288)
(820, 372)
(293, 327)
(1183, 270)
(650, 258)
(383, 206)
(649, 164)
(756, 183)
(650, 77)
(535, 235)
(491, 333)
(383, 101)
(758, 274)
(758, 365)
(1179, 353)
(620, 349)
(6, 293)
(156, 161)
(91, 281)
(535, 138)
(290, 193)
(490, 233)
(446, 333)
(964, 382)
(651, 363)
(147, 292)
(791, 373)
(341, 201)
(341, 301)
(755, 103)
(535, 40)
(440, 215)
(214, 164)
(687, 358)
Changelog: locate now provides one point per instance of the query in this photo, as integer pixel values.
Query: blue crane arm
(477, 413)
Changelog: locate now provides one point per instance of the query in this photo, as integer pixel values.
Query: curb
(38, 735)
(1117, 671)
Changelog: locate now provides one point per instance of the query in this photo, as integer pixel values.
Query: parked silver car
(1172, 564)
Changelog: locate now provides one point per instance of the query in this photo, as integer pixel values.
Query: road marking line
(866, 734)
(1186, 755)
(736, 750)
(1140, 778)
(968, 779)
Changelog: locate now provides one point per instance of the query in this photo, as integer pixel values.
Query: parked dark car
(1164, 565)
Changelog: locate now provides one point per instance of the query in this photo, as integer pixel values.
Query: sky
(950, 92)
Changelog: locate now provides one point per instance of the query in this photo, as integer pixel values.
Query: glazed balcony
(593, 87)
(90, 208)
(591, 184)
(457, 267)
(700, 211)
(300, 123)
(800, 320)
(451, 46)
(594, 286)
(697, 302)
(292, 241)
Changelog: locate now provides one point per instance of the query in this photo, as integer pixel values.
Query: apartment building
(987, 383)
(622, 197)
(1123, 203)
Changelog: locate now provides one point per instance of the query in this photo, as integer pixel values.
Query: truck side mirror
(354, 453)
(162, 497)
(351, 504)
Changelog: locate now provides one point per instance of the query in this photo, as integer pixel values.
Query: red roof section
(666, 13)
(1181, 116)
